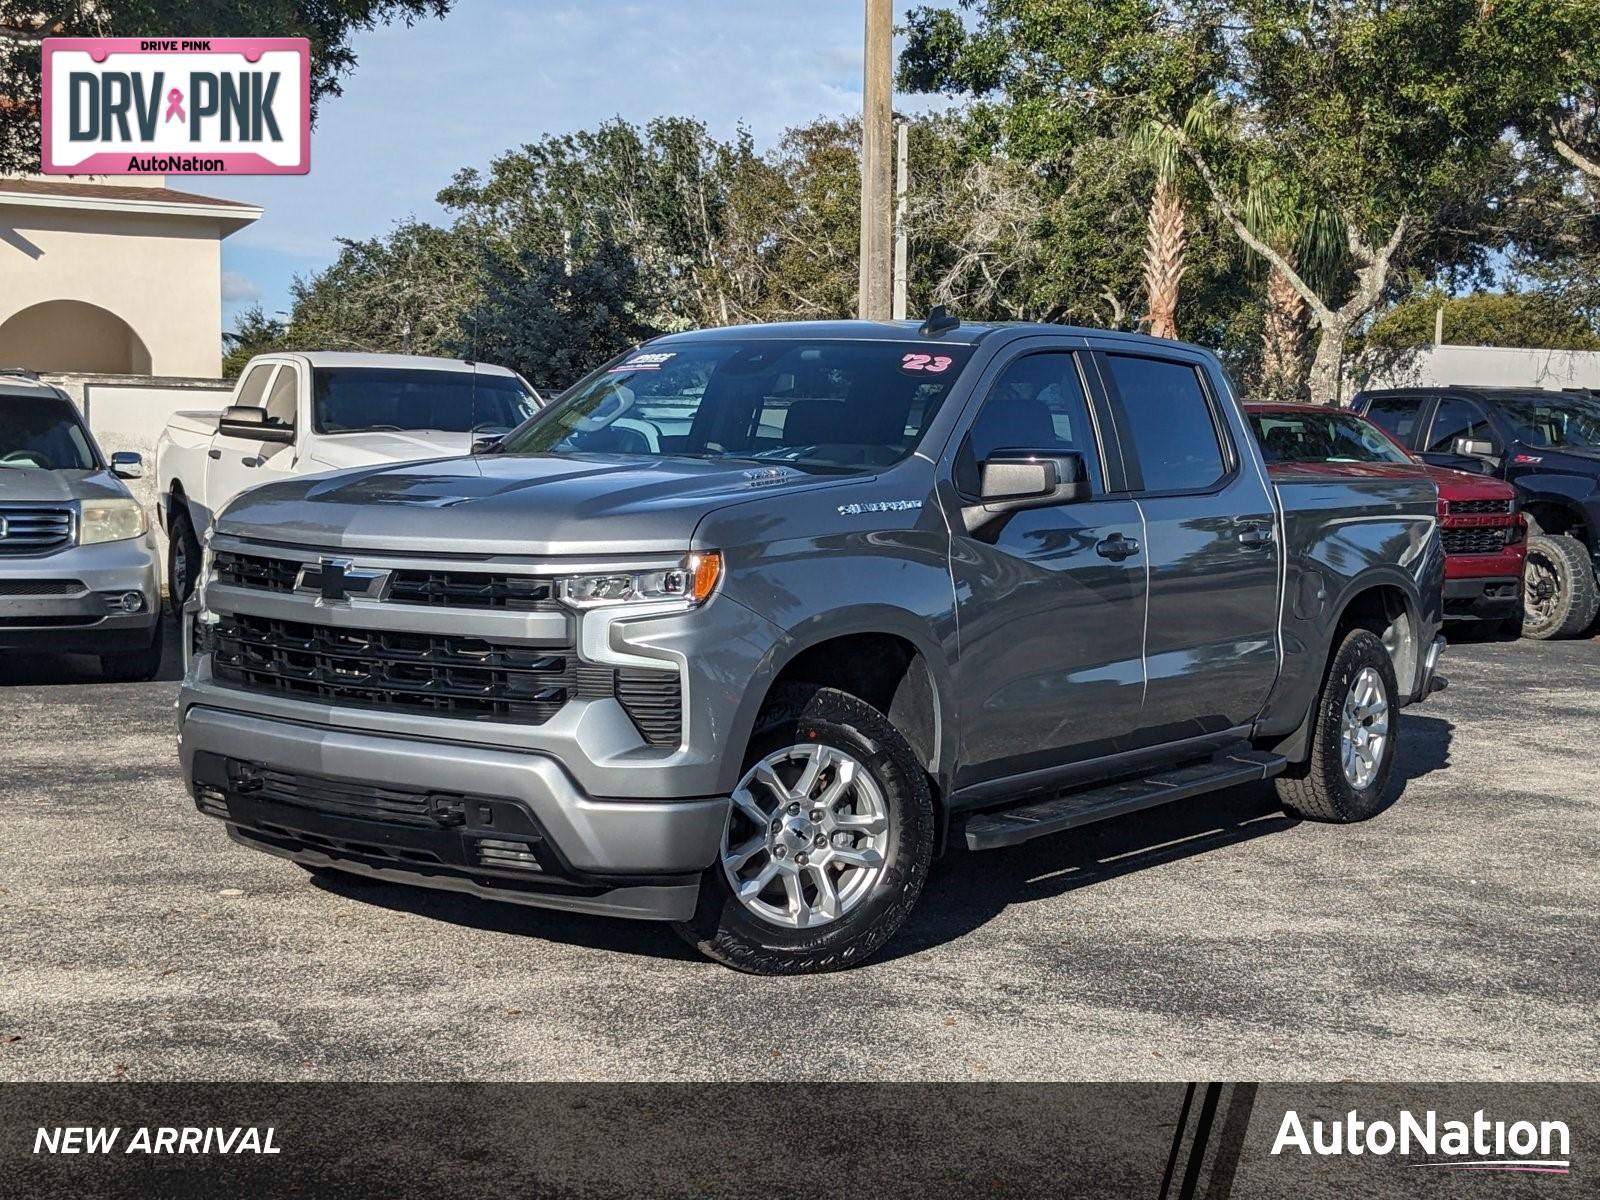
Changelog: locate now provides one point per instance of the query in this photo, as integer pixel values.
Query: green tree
(1536, 320)
(554, 322)
(328, 24)
(1387, 114)
(253, 333)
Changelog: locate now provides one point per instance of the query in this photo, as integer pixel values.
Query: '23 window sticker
(930, 364)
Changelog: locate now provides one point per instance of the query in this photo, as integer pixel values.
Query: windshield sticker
(926, 364)
(646, 362)
(878, 506)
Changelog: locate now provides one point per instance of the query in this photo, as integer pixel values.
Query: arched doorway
(69, 335)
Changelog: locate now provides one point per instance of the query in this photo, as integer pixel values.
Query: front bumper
(499, 824)
(70, 602)
(1484, 599)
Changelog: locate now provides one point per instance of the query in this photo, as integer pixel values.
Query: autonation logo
(1476, 1145)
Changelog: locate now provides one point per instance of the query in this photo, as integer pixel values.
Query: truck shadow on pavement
(966, 890)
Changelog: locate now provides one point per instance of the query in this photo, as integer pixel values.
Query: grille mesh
(41, 587)
(1487, 540)
(654, 699)
(1480, 506)
(255, 571)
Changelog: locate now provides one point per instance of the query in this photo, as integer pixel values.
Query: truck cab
(304, 413)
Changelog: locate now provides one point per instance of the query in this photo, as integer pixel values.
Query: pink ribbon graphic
(175, 106)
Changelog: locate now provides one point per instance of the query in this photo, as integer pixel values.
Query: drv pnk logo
(208, 106)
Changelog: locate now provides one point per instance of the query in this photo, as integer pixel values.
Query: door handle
(1116, 547)
(1256, 536)
(253, 461)
(213, 453)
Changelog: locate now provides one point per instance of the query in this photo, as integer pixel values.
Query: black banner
(1161, 1141)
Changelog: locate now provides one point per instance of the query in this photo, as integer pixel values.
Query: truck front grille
(29, 530)
(472, 589)
(463, 677)
(1479, 506)
(255, 571)
(1487, 540)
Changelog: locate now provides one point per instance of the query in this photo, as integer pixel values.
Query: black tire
(136, 666)
(183, 557)
(1560, 596)
(1318, 789)
(801, 715)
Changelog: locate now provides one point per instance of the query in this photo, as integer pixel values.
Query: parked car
(1484, 534)
(1545, 443)
(876, 590)
(79, 572)
(306, 413)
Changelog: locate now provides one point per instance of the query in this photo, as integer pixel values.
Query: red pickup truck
(1484, 534)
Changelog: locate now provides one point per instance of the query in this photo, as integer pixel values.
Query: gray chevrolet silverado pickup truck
(752, 623)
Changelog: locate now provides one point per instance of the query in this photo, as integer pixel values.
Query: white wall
(129, 413)
(1484, 366)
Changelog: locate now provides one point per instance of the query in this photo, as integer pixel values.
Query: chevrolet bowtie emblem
(336, 579)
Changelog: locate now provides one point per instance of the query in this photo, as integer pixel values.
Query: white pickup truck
(305, 413)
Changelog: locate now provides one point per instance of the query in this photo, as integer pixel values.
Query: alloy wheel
(1363, 728)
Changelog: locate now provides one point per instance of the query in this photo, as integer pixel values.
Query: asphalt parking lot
(1453, 937)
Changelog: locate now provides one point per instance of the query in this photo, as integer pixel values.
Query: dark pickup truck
(1545, 443)
(752, 623)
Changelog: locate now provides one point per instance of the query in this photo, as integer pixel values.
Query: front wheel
(1355, 728)
(1560, 596)
(827, 844)
(183, 561)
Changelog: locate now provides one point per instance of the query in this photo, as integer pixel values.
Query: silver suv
(78, 563)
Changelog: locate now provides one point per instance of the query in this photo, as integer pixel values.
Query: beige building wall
(157, 278)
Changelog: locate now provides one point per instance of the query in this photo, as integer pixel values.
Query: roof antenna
(939, 321)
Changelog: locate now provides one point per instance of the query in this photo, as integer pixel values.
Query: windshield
(817, 405)
(356, 399)
(1322, 438)
(43, 435)
(1554, 420)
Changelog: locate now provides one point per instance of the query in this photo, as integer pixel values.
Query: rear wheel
(183, 560)
(1355, 727)
(827, 845)
(1560, 596)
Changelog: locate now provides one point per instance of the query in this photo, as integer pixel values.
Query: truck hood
(335, 451)
(1465, 485)
(509, 504)
(57, 487)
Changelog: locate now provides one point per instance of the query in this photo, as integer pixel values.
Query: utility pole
(902, 182)
(874, 300)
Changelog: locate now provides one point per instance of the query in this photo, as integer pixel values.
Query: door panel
(1051, 667)
(241, 463)
(1211, 640)
(1050, 601)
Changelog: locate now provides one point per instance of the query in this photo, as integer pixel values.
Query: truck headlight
(692, 581)
(114, 520)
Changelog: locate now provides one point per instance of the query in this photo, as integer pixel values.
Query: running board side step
(1012, 826)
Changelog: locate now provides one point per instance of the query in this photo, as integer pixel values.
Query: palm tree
(1166, 235)
(1311, 239)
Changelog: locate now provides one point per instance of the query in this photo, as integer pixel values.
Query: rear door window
(1397, 414)
(1457, 418)
(1168, 420)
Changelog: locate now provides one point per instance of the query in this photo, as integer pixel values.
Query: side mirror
(1473, 448)
(125, 464)
(487, 443)
(250, 423)
(1013, 480)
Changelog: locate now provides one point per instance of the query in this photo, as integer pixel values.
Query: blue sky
(494, 74)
